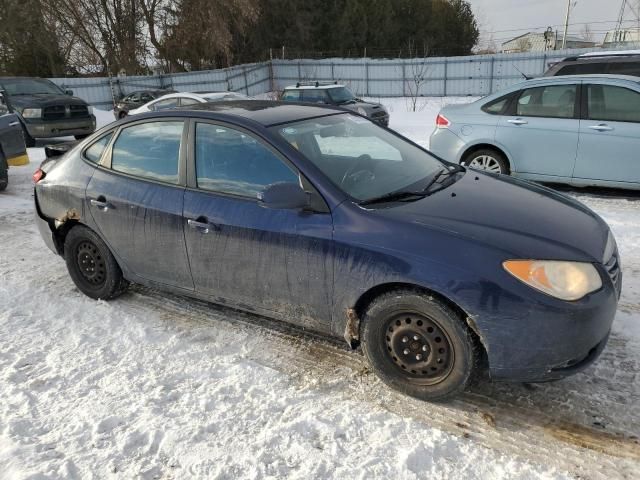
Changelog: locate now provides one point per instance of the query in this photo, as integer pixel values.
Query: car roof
(314, 87)
(610, 53)
(603, 76)
(264, 112)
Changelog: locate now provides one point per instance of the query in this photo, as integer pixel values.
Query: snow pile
(157, 386)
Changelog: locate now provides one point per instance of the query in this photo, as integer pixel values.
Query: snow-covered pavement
(157, 386)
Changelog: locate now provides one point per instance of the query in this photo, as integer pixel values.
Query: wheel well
(370, 295)
(485, 146)
(60, 234)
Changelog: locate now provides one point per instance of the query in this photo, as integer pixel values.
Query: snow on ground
(157, 386)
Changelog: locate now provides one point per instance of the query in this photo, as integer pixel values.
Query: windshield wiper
(402, 195)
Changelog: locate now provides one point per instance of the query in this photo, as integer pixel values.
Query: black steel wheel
(91, 265)
(418, 345)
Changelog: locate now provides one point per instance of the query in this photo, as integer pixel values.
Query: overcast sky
(505, 19)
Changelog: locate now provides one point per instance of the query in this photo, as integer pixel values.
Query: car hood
(523, 219)
(44, 100)
(367, 106)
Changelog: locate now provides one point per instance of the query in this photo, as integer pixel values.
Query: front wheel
(418, 345)
(91, 265)
(488, 160)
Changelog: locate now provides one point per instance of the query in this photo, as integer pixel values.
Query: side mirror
(69, 92)
(284, 195)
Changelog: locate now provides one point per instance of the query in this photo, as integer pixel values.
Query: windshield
(341, 95)
(362, 159)
(30, 86)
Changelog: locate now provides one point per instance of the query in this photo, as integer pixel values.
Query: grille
(78, 111)
(54, 112)
(614, 270)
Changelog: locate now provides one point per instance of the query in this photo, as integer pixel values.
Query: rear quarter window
(95, 151)
(497, 106)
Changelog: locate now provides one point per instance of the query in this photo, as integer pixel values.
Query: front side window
(556, 101)
(615, 104)
(95, 151)
(145, 97)
(341, 95)
(149, 150)
(291, 96)
(233, 162)
(362, 159)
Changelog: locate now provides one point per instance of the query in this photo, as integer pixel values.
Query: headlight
(90, 109)
(564, 280)
(32, 112)
(362, 111)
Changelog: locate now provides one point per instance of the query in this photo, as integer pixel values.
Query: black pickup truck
(45, 110)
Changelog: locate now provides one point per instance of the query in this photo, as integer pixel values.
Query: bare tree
(415, 75)
(587, 33)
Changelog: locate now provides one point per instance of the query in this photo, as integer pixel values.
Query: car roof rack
(315, 84)
(601, 55)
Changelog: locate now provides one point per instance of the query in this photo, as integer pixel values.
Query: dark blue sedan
(318, 217)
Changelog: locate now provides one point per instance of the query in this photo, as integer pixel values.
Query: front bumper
(39, 128)
(552, 339)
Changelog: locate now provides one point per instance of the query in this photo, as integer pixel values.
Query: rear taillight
(442, 121)
(38, 175)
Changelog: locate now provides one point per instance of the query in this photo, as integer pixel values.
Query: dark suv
(613, 63)
(45, 110)
(335, 94)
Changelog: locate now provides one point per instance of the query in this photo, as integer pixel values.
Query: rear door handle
(517, 121)
(101, 204)
(601, 128)
(201, 224)
(14, 124)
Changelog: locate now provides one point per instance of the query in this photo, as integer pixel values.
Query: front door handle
(101, 204)
(201, 224)
(14, 124)
(517, 121)
(601, 128)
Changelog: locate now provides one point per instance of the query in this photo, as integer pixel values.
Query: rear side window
(165, 104)
(314, 96)
(95, 151)
(555, 101)
(615, 104)
(625, 68)
(230, 161)
(497, 106)
(291, 96)
(590, 68)
(188, 101)
(149, 150)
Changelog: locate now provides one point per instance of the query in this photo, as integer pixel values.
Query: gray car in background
(582, 130)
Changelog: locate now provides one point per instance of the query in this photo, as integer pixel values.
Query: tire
(91, 265)
(488, 160)
(29, 141)
(121, 115)
(442, 356)
(80, 137)
(4, 172)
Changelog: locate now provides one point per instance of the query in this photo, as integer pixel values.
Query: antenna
(526, 77)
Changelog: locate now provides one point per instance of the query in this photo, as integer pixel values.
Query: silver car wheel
(486, 162)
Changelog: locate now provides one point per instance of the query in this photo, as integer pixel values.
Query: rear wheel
(418, 345)
(488, 160)
(91, 265)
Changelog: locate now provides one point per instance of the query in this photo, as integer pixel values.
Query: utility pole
(566, 24)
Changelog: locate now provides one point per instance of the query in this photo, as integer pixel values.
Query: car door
(274, 262)
(609, 134)
(135, 199)
(11, 139)
(540, 130)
